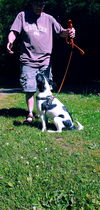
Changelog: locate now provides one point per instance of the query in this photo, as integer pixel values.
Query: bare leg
(30, 105)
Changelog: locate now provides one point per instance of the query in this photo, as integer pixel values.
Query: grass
(57, 171)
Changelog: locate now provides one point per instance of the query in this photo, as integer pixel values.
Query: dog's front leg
(43, 122)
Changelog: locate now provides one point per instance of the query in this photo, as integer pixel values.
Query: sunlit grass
(49, 171)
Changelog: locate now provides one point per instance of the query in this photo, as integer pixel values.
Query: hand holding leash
(70, 40)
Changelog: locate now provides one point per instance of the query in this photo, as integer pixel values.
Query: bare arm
(11, 38)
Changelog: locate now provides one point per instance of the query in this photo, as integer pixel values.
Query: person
(36, 30)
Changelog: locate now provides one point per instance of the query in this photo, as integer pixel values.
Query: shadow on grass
(13, 112)
(18, 112)
(36, 123)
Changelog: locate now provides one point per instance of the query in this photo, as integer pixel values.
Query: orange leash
(65, 72)
(71, 42)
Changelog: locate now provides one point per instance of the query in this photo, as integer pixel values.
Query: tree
(85, 16)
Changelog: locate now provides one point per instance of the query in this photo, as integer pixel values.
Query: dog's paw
(43, 130)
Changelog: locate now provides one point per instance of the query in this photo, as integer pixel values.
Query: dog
(49, 105)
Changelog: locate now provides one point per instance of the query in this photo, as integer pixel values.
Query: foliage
(9, 9)
(49, 171)
(86, 11)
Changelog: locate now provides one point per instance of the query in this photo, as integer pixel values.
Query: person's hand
(9, 48)
(71, 33)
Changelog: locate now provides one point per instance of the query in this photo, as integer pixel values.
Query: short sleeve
(56, 26)
(17, 24)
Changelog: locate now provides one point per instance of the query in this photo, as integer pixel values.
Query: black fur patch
(52, 106)
(40, 82)
(61, 115)
(67, 124)
(47, 104)
(73, 128)
(64, 108)
(53, 84)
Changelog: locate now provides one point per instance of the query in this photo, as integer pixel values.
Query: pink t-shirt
(37, 37)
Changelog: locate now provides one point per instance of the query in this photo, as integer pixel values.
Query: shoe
(29, 119)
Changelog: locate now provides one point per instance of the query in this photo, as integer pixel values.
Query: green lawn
(56, 171)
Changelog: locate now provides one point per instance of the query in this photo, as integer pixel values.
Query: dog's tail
(80, 127)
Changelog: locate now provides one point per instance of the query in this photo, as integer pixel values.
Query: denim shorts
(28, 77)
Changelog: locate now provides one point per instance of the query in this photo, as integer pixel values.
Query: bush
(86, 15)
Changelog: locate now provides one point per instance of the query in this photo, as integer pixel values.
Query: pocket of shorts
(23, 81)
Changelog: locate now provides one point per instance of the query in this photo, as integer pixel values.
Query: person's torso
(37, 32)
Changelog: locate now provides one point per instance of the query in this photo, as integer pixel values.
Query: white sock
(30, 113)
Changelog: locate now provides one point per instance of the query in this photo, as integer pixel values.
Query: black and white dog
(49, 105)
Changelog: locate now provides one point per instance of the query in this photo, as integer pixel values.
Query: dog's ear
(40, 82)
(53, 85)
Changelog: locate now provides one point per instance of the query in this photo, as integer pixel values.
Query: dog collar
(47, 103)
(44, 98)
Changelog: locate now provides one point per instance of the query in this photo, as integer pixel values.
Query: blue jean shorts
(28, 77)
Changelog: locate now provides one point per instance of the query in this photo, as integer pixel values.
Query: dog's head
(44, 83)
